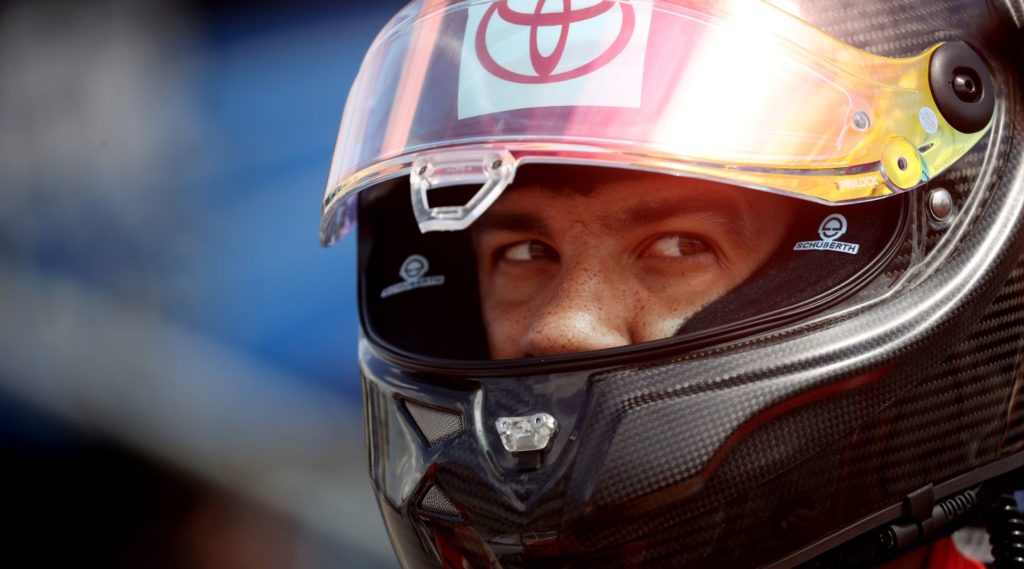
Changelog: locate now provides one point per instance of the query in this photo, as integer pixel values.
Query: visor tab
(493, 170)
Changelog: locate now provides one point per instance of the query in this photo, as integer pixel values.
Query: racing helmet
(853, 395)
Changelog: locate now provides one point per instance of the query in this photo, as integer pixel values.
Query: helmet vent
(437, 502)
(436, 425)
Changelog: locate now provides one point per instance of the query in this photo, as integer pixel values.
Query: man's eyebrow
(726, 209)
(523, 222)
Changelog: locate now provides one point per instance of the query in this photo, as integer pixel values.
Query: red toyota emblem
(545, 65)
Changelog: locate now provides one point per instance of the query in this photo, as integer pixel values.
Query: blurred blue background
(178, 376)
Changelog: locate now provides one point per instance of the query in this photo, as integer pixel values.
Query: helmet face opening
(585, 262)
(606, 326)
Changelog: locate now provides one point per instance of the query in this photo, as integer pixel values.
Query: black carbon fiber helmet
(846, 395)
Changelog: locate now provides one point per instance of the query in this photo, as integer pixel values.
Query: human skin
(581, 262)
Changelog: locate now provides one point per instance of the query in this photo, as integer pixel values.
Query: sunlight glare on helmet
(790, 6)
(737, 81)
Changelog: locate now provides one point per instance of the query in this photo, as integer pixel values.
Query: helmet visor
(738, 92)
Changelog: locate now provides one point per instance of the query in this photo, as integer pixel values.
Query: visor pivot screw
(861, 120)
(940, 204)
(422, 170)
(496, 165)
(967, 85)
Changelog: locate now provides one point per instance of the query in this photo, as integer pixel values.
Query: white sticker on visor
(521, 54)
(831, 229)
(414, 275)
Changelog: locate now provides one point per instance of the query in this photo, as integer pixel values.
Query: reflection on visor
(733, 91)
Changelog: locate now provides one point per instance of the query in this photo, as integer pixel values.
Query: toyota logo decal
(545, 66)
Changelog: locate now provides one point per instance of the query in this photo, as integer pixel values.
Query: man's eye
(527, 251)
(677, 246)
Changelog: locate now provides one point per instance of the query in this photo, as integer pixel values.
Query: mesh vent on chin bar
(437, 502)
(436, 425)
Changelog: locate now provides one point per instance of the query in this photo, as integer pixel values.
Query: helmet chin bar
(495, 170)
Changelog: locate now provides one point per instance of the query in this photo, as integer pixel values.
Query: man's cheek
(505, 323)
(662, 321)
(512, 286)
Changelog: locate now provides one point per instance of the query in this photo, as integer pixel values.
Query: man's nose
(585, 310)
